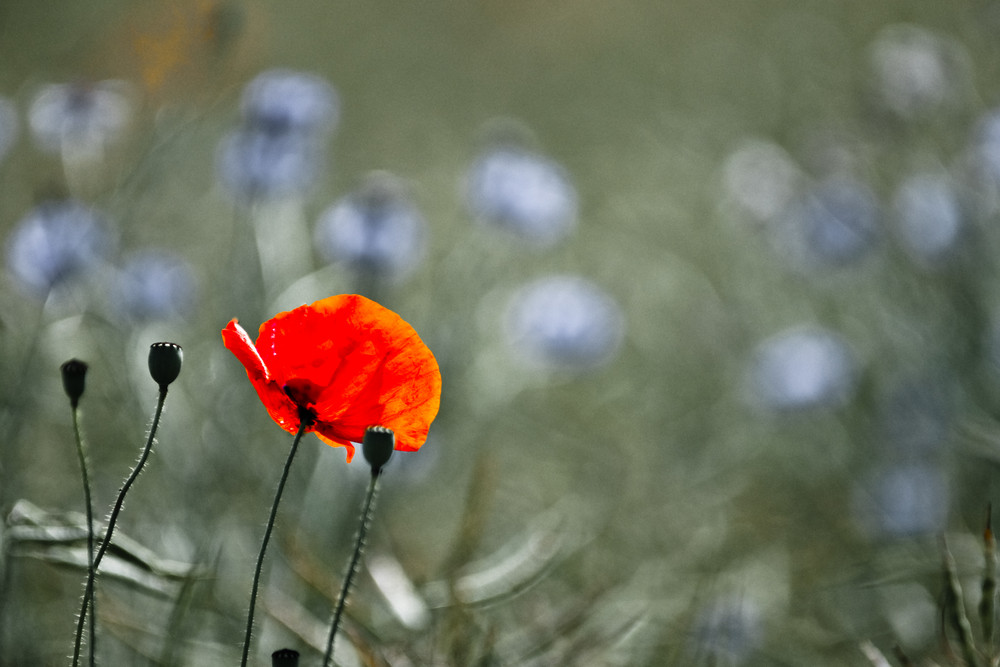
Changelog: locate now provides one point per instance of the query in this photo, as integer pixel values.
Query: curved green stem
(267, 536)
(359, 546)
(88, 593)
(82, 455)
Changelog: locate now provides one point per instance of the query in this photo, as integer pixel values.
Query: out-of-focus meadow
(712, 286)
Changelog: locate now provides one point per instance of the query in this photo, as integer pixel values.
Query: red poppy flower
(346, 363)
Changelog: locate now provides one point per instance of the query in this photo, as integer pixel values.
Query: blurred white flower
(377, 229)
(564, 322)
(760, 177)
(916, 71)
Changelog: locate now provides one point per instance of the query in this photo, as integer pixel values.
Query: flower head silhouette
(343, 363)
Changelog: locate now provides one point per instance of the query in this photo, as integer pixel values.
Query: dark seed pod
(285, 657)
(165, 363)
(74, 375)
(377, 447)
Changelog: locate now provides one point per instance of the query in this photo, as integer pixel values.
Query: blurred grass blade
(61, 538)
(399, 591)
(515, 567)
(954, 609)
(311, 629)
(874, 655)
(482, 486)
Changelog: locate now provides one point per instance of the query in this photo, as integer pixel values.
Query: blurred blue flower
(279, 101)
(79, 117)
(918, 415)
(279, 148)
(259, 164)
(8, 126)
(904, 500)
(376, 229)
(802, 368)
(727, 632)
(928, 217)
(986, 145)
(564, 322)
(56, 241)
(836, 223)
(523, 192)
(153, 284)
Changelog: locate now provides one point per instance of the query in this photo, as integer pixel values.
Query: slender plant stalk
(955, 610)
(88, 595)
(305, 423)
(359, 546)
(987, 603)
(82, 455)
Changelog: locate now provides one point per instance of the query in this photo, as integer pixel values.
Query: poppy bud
(285, 657)
(165, 363)
(74, 374)
(377, 446)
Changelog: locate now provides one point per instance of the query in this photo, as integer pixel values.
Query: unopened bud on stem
(285, 657)
(377, 447)
(165, 363)
(74, 375)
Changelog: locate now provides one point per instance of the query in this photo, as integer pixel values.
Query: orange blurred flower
(345, 363)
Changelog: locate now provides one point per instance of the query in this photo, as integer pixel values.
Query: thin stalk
(359, 546)
(987, 603)
(119, 503)
(955, 610)
(304, 424)
(82, 455)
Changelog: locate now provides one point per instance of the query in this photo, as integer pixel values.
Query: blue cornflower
(57, 240)
(523, 192)
(802, 368)
(376, 229)
(564, 322)
(79, 118)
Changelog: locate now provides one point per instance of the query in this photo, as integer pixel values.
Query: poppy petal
(335, 441)
(237, 341)
(272, 395)
(403, 394)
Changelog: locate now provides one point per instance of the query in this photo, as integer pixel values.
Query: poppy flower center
(304, 394)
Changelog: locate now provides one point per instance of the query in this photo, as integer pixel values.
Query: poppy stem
(367, 512)
(88, 595)
(81, 453)
(304, 424)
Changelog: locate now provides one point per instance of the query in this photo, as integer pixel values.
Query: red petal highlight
(272, 395)
(237, 341)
